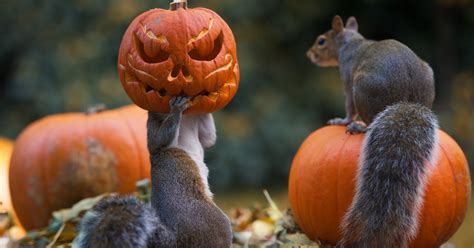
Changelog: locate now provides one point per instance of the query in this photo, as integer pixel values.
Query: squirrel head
(324, 52)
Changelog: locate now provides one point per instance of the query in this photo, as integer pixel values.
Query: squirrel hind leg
(117, 222)
(371, 96)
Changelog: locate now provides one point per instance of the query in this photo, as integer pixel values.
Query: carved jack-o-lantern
(180, 51)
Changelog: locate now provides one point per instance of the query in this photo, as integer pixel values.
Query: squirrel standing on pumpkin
(392, 90)
(182, 212)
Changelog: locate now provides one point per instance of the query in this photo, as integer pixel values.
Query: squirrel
(392, 90)
(182, 211)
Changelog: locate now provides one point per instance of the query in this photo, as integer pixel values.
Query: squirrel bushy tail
(391, 178)
(121, 222)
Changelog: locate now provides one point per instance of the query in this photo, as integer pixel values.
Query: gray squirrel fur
(392, 90)
(182, 212)
(140, 222)
(393, 170)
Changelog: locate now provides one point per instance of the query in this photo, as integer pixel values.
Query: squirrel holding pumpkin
(392, 90)
(182, 212)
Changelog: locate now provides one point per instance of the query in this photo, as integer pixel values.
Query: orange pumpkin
(322, 185)
(63, 158)
(6, 148)
(180, 51)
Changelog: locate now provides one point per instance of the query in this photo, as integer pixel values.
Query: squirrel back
(398, 153)
(387, 72)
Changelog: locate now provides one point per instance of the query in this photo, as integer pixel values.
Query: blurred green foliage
(58, 56)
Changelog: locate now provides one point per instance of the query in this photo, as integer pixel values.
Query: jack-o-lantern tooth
(188, 79)
(145, 87)
(207, 102)
(213, 96)
(156, 99)
(172, 87)
(142, 88)
(196, 100)
(150, 92)
(170, 77)
(192, 89)
(157, 94)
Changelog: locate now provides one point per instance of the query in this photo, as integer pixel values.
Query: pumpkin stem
(96, 109)
(176, 4)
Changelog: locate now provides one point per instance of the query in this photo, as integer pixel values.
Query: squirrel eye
(321, 41)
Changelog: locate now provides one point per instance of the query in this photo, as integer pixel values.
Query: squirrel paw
(340, 121)
(356, 127)
(179, 103)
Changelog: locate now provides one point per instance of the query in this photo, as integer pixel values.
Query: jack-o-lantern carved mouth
(162, 92)
(173, 75)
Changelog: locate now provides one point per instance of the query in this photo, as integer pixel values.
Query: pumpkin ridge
(43, 164)
(87, 149)
(135, 141)
(324, 138)
(338, 175)
(446, 155)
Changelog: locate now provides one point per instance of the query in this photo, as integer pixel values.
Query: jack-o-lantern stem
(176, 4)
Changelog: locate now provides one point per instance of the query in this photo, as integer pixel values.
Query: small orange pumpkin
(322, 185)
(61, 159)
(6, 148)
(180, 51)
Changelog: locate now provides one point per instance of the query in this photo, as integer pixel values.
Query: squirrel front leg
(163, 129)
(353, 127)
(350, 108)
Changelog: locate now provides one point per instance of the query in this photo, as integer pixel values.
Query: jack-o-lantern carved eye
(160, 56)
(205, 53)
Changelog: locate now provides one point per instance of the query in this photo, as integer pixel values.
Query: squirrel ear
(337, 24)
(352, 24)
